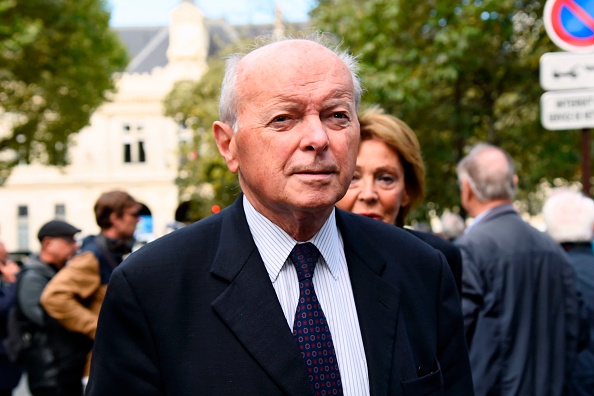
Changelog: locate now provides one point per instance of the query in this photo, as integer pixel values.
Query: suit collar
(492, 214)
(236, 243)
(275, 254)
(249, 304)
(377, 303)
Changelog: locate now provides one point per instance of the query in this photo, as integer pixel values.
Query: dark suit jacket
(582, 259)
(520, 307)
(195, 313)
(449, 250)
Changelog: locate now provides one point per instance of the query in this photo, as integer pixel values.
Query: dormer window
(133, 143)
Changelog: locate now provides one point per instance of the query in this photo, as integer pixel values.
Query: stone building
(129, 143)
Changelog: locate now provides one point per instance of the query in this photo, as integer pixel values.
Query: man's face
(3, 254)
(125, 225)
(297, 138)
(8, 268)
(61, 248)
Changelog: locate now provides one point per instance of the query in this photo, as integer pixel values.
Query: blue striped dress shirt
(333, 288)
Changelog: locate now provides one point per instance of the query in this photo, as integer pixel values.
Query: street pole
(586, 161)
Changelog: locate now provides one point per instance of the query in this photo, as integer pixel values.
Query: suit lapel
(250, 307)
(377, 305)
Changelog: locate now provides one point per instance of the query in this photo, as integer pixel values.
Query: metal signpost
(570, 25)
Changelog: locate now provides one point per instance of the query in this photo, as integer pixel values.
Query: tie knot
(304, 257)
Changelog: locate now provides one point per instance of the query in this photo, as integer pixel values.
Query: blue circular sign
(570, 24)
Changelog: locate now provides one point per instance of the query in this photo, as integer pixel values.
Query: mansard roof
(147, 46)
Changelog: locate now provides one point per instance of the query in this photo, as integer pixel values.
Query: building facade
(129, 144)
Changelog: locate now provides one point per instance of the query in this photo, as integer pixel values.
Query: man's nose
(315, 136)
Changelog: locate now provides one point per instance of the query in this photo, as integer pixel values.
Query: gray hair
(488, 181)
(229, 100)
(452, 225)
(569, 216)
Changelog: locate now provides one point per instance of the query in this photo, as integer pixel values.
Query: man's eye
(281, 118)
(338, 120)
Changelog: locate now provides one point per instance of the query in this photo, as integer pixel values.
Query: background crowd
(50, 309)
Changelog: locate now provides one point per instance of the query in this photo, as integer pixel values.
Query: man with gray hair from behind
(519, 300)
(569, 218)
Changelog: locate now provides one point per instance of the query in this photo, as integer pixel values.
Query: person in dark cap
(75, 295)
(57, 229)
(54, 358)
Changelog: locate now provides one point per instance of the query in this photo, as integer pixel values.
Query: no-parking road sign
(570, 24)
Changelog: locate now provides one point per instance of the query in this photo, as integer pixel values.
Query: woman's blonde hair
(376, 124)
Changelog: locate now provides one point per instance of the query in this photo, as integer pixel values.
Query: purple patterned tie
(310, 329)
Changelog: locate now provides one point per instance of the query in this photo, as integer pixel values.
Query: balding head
(270, 57)
(490, 172)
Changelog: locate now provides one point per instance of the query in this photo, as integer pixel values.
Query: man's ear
(466, 191)
(113, 216)
(225, 138)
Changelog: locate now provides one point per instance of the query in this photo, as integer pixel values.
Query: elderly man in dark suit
(231, 305)
(518, 295)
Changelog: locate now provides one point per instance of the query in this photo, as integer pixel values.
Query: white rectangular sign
(566, 70)
(567, 109)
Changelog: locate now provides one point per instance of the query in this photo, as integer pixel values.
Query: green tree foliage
(458, 72)
(203, 177)
(56, 64)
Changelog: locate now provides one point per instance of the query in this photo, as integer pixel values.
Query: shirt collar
(275, 245)
(476, 220)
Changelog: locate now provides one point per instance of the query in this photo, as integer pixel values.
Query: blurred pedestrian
(518, 294)
(74, 296)
(54, 358)
(389, 180)
(452, 225)
(569, 218)
(10, 373)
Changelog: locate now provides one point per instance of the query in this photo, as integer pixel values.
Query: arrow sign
(567, 109)
(564, 70)
(570, 24)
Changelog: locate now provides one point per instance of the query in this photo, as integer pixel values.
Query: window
(60, 212)
(133, 143)
(141, 157)
(23, 227)
(127, 153)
